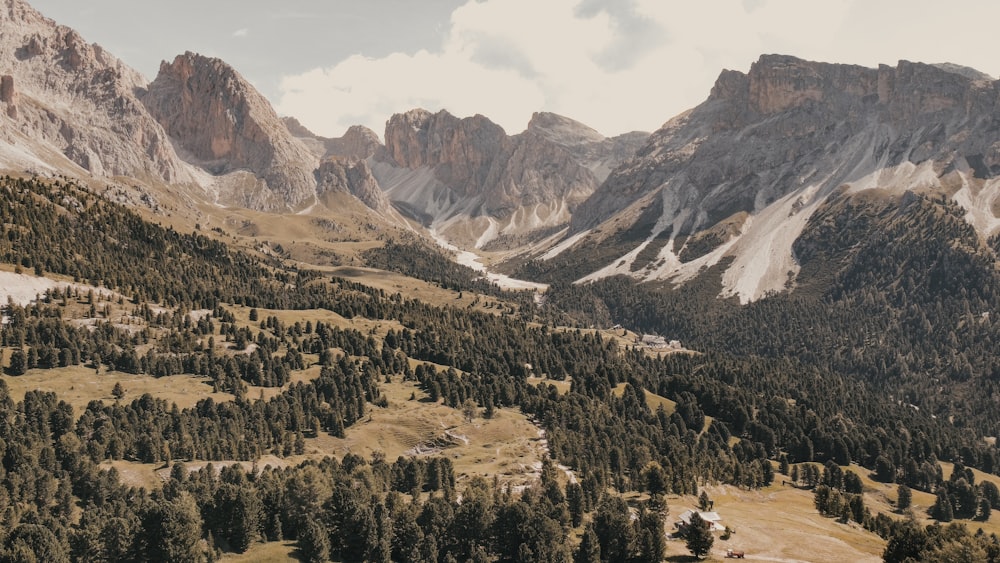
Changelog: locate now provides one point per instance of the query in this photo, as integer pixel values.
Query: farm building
(658, 342)
(712, 518)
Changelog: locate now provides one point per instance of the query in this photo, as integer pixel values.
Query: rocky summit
(739, 176)
(225, 125)
(732, 183)
(70, 106)
(469, 179)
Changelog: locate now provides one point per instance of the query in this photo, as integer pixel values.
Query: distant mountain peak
(769, 147)
(76, 100)
(226, 125)
(965, 71)
(563, 129)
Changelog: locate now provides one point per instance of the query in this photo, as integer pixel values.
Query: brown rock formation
(78, 100)
(225, 125)
(597, 153)
(760, 131)
(351, 176)
(8, 95)
(462, 151)
(358, 142)
(472, 168)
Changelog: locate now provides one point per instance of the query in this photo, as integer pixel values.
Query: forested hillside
(765, 390)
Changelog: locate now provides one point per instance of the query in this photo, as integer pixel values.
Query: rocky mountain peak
(463, 150)
(352, 176)
(19, 11)
(357, 142)
(66, 96)
(296, 128)
(770, 145)
(778, 83)
(562, 130)
(224, 124)
(968, 72)
(477, 184)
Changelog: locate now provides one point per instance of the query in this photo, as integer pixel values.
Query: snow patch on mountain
(979, 203)
(564, 245)
(471, 260)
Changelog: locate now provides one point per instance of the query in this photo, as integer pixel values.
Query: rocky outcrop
(445, 170)
(351, 176)
(357, 142)
(771, 145)
(65, 96)
(461, 151)
(758, 132)
(225, 125)
(598, 154)
(8, 95)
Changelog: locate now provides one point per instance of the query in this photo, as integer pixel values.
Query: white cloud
(502, 58)
(620, 66)
(242, 32)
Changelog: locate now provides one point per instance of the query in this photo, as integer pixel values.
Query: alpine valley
(767, 327)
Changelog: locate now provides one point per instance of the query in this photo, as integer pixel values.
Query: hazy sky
(616, 65)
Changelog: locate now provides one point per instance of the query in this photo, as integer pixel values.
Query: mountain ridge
(774, 144)
(730, 181)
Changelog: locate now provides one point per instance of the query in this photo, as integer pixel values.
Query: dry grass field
(777, 524)
(78, 385)
(273, 552)
(653, 401)
(508, 446)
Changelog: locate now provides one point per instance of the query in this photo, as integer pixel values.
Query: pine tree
(575, 503)
(983, 510)
(18, 362)
(698, 536)
(704, 503)
(903, 497)
(614, 530)
(942, 510)
(314, 542)
(590, 548)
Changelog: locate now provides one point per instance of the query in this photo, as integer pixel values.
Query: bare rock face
(769, 146)
(65, 96)
(759, 134)
(351, 176)
(358, 142)
(443, 169)
(8, 95)
(597, 153)
(225, 125)
(461, 151)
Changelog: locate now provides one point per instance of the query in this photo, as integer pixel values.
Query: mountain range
(823, 239)
(732, 182)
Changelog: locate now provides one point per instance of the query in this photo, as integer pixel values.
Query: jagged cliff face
(357, 142)
(224, 125)
(467, 179)
(69, 107)
(595, 152)
(347, 175)
(770, 146)
(66, 100)
(461, 151)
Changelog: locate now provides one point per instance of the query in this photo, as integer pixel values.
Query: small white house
(653, 341)
(712, 518)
